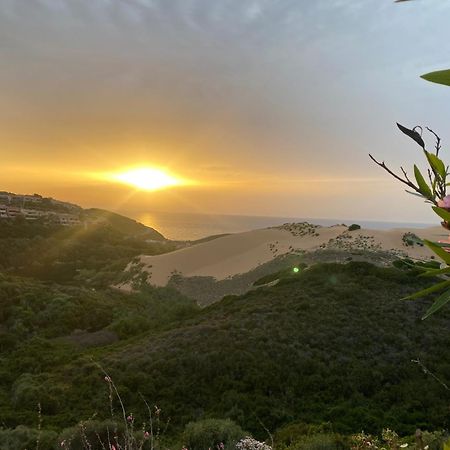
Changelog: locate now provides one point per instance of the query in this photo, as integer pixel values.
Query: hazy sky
(271, 106)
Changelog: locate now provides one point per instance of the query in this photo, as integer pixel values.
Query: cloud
(253, 87)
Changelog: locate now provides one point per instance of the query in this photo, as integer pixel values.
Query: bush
(212, 433)
(319, 442)
(411, 239)
(24, 437)
(354, 226)
(296, 431)
(435, 440)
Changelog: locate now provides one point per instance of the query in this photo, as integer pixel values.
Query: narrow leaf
(423, 186)
(442, 300)
(413, 134)
(436, 163)
(436, 248)
(435, 272)
(439, 77)
(430, 290)
(414, 193)
(441, 212)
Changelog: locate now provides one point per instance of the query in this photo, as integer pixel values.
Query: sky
(268, 107)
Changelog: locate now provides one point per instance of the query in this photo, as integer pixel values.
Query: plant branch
(438, 141)
(405, 175)
(389, 171)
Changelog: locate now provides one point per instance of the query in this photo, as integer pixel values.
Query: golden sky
(267, 107)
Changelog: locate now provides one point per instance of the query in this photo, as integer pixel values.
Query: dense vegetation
(333, 345)
(93, 255)
(44, 327)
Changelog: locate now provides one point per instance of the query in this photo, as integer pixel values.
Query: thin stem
(438, 141)
(266, 430)
(38, 439)
(124, 414)
(426, 371)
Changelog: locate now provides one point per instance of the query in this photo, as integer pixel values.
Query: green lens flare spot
(296, 270)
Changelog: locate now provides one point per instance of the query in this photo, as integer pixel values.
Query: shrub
(213, 434)
(411, 239)
(24, 437)
(354, 226)
(319, 442)
(435, 440)
(296, 431)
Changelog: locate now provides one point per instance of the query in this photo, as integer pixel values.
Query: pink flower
(146, 435)
(444, 202)
(130, 418)
(108, 379)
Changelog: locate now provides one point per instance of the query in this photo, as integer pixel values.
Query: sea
(193, 226)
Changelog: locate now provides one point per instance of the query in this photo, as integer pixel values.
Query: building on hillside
(13, 211)
(68, 219)
(33, 214)
(10, 212)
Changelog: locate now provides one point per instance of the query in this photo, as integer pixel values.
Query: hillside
(92, 251)
(120, 223)
(48, 211)
(334, 344)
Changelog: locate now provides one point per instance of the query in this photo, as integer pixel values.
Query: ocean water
(190, 226)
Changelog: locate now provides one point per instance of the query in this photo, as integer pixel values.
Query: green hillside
(93, 254)
(334, 344)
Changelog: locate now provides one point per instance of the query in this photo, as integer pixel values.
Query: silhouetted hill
(122, 224)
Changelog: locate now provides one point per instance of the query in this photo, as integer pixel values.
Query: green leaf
(423, 186)
(435, 272)
(415, 193)
(439, 77)
(436, 164)
(436, 248)
(441, 212)
(442, 300)
(431, 289)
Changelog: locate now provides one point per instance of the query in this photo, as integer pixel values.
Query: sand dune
(239, 253)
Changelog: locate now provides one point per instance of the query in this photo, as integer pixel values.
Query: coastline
(194, 226)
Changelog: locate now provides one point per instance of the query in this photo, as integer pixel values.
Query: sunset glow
(147, 179)
(240, 106)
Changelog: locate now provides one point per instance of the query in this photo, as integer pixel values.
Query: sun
(147, 179)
